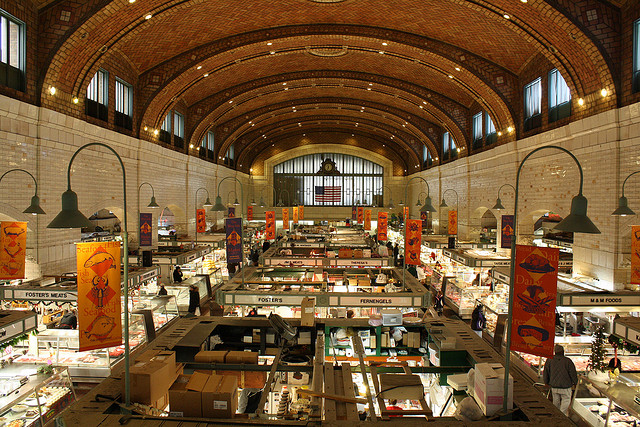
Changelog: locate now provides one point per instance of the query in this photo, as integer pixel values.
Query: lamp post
(236, 202)
(418, 202)
(220, 208)
(444, 204)
(623, 204)
(390, 206)
(71, 217)
(34, 208)
(280, 203)
(206, 204)
(498, 206)
(428, 207)
(576, 222)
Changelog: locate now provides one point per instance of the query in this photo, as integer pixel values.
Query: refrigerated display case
(181, 291)
(462, 298)
(608, 404)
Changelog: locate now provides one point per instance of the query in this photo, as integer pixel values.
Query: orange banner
(201, 221)
(360, 214)
(367, 219)
(413, 241)
(285, 218)
(249, 213)
(300, 212)
(295, 214)
(99, 318)
(382, 226)
(635, 254)
(405, 210)
(270, 217)
(453, 222)
(535, 287)
(14, 249)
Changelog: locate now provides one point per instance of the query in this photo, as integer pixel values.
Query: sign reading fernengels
(42, 295)
(605, 300)
(369, 301)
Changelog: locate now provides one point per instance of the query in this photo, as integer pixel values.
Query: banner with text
(285, 219)
(231, 212)
(295, 214)
(233, 228)
(249, 213)
(270, 228)
(413, 241)
(507, 231)
(146, 228)
(382, 226)
(14, 249)
(300, 212)
(354, 213)
(99, 318)
(201, 220)
(453, 222)
(635, 254)
(534, 300)
(367, 219)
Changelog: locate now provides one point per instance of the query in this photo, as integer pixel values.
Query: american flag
(328, 194)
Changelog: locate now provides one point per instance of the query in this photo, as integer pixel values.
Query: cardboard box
(304, 337)
(242, 357)
(220, 397)
(150, 380)
(246, 379)
(357, 253)
(210, 357)
(185, 395)
(161, 403)
(401, 386)
(489, 388)
(391, 317)
(345, 253)
(308, 311)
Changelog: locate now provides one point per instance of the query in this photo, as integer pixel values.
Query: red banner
(382, 226)
(285, 218)
(249, 213)
(354, 213)
(453, 222)
(367, 219)
(635, 254)
(360, 214)
(201, 221)
(99, 318)
(295, 214)
(534, 300)
(300, 212)
(270, 217)
(413, 241)
(405, 211)
(13, 244)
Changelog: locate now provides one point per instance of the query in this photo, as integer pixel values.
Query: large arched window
(312, 180)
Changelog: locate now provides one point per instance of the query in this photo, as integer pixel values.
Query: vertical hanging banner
(367, 219)
(424, 216)
(413, 241)
(506, 233)
(300, 212)
(270, 229)
(285, 218)
(233, 228)
(360, 214)
(534, 300)
(635, 254)
(231, 212)
(382, 226)
(201, 220)
(99, 318)
(146, 236)
(295, 214)
(405, 212)
(14, 249)
(249, 213)
(453, 222)
(354, 213)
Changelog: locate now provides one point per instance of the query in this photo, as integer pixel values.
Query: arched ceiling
(264, 74)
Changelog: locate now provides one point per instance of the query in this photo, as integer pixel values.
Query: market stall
(330, 256)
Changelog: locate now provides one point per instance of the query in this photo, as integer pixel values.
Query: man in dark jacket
(560, 373)
(194, 299)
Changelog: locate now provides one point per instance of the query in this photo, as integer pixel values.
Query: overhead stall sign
(295, 214)
(99, 318)
(354, 213)
(201, 221)
(453, 222)
(233, 228)
(413, 241)
(360, 214)
(507, 231)
(270, 218)
(249, 213)
(382, 226)
(635, 254)
(300, 212)
(13, 239)
(367, 219)
(146, 228)
(285, 219)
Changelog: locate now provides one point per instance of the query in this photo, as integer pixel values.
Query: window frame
(532, 120)
(635, 66)
(560, 110)
(490, 133)
(123, 101)
(21, 51)
(101, 76)
(477, 134)
(449, 147)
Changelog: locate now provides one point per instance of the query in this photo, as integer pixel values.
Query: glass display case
(181, 290)
(462, 298)
(163, 308)
(608, 404)
(29, 398)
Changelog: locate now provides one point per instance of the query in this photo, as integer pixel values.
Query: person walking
(560, 373)
(177, 275)
(478, 320)
(194, 299)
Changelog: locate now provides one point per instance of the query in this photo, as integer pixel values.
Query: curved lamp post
(219, 207)
(623, 204)
(34, 208)
(428, 207)
(152, 204)
(71, 217)
(498, 206)
(280, 203)
(390, 206)
(206, 204)
(262, 203)
(236, 202)
(577, 221)
(418, 202)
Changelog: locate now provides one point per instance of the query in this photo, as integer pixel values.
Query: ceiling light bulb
(273, 52)
(190, 145)
(231, 102)
(156, 132)
(450, 76)
(368, 88)
(75, 100)
(523, 1)
(132, 1)
(198, 67)
(146, 128)
(580, 101)
(148, 16)
(370, 84)
(381, 52)
(269, 44)
(457, 68)
(384, 43)
(284, 84)
(499, 133)
(510, 129)
(506, 16)
(205, 75)
(603, 92)
(52, 90)
(436, 158)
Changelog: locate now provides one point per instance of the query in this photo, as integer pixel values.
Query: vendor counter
(336, 257)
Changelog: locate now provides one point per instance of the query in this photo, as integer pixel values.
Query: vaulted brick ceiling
(263, 73)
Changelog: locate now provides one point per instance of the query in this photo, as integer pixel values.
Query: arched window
(308, 180)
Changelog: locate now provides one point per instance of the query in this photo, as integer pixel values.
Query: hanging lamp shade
(152, 204)
(70, 216)
(444, 204)
(498, 206)
(401, 203)
(428, 207)
(34, 208)
(280, 204)
(236, 202)
(623, 208)
(578, 221)
(253, 201)
(262, 204)
(207, 203)
(218, 207)
(391, 205)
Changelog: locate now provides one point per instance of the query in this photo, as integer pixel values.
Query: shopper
(69, 320)
(393, 406)
(162, 290)
(438, 303)
(400, 261)
(194, 299)
(396, 251)
(478, 320)
(177, 274)
(560, 374)
(265, 246)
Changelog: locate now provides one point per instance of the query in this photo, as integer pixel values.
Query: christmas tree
(596, 360)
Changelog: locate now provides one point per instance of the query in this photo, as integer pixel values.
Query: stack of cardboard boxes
(251, 379)
(151, 375)
(204, 395)
(489, 388)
